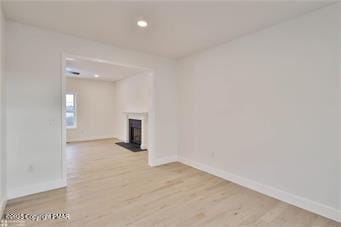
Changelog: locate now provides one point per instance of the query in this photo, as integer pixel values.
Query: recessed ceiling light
(142, 23)
(96, 76)
(69, 59)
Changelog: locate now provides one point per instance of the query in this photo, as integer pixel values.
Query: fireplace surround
(136, 128)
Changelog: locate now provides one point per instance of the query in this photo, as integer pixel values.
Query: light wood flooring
(111, 186)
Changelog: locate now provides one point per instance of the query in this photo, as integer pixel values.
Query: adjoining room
(105, 101)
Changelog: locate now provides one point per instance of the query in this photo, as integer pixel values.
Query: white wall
(263, 109)
(95, 102)
(2, 118)
(34, 123)
(339, 109)
(133, 94)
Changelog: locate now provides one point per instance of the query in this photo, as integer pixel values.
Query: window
(70, 115)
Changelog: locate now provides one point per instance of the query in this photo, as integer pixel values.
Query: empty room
(170, 113)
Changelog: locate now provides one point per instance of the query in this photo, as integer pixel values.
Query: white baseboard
(3, 203)
(36, 188)
(119, 138)
(162, 161)
(90, 139)
(315, 207)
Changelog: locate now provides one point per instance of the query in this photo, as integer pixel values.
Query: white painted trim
(162, 161)
(36, 188)
(63, 108)
(304, 203)
(2, 206)
(91, 139)
(119, 138)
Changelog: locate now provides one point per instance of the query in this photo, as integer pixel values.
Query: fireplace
(135, 131)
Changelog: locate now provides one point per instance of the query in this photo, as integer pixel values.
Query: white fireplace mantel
(143, 116)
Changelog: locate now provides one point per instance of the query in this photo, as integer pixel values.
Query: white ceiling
(176, 29)
(106, 71)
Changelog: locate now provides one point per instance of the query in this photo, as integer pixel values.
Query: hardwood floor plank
(111, 186)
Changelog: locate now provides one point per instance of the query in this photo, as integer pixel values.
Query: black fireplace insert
(135, 131)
